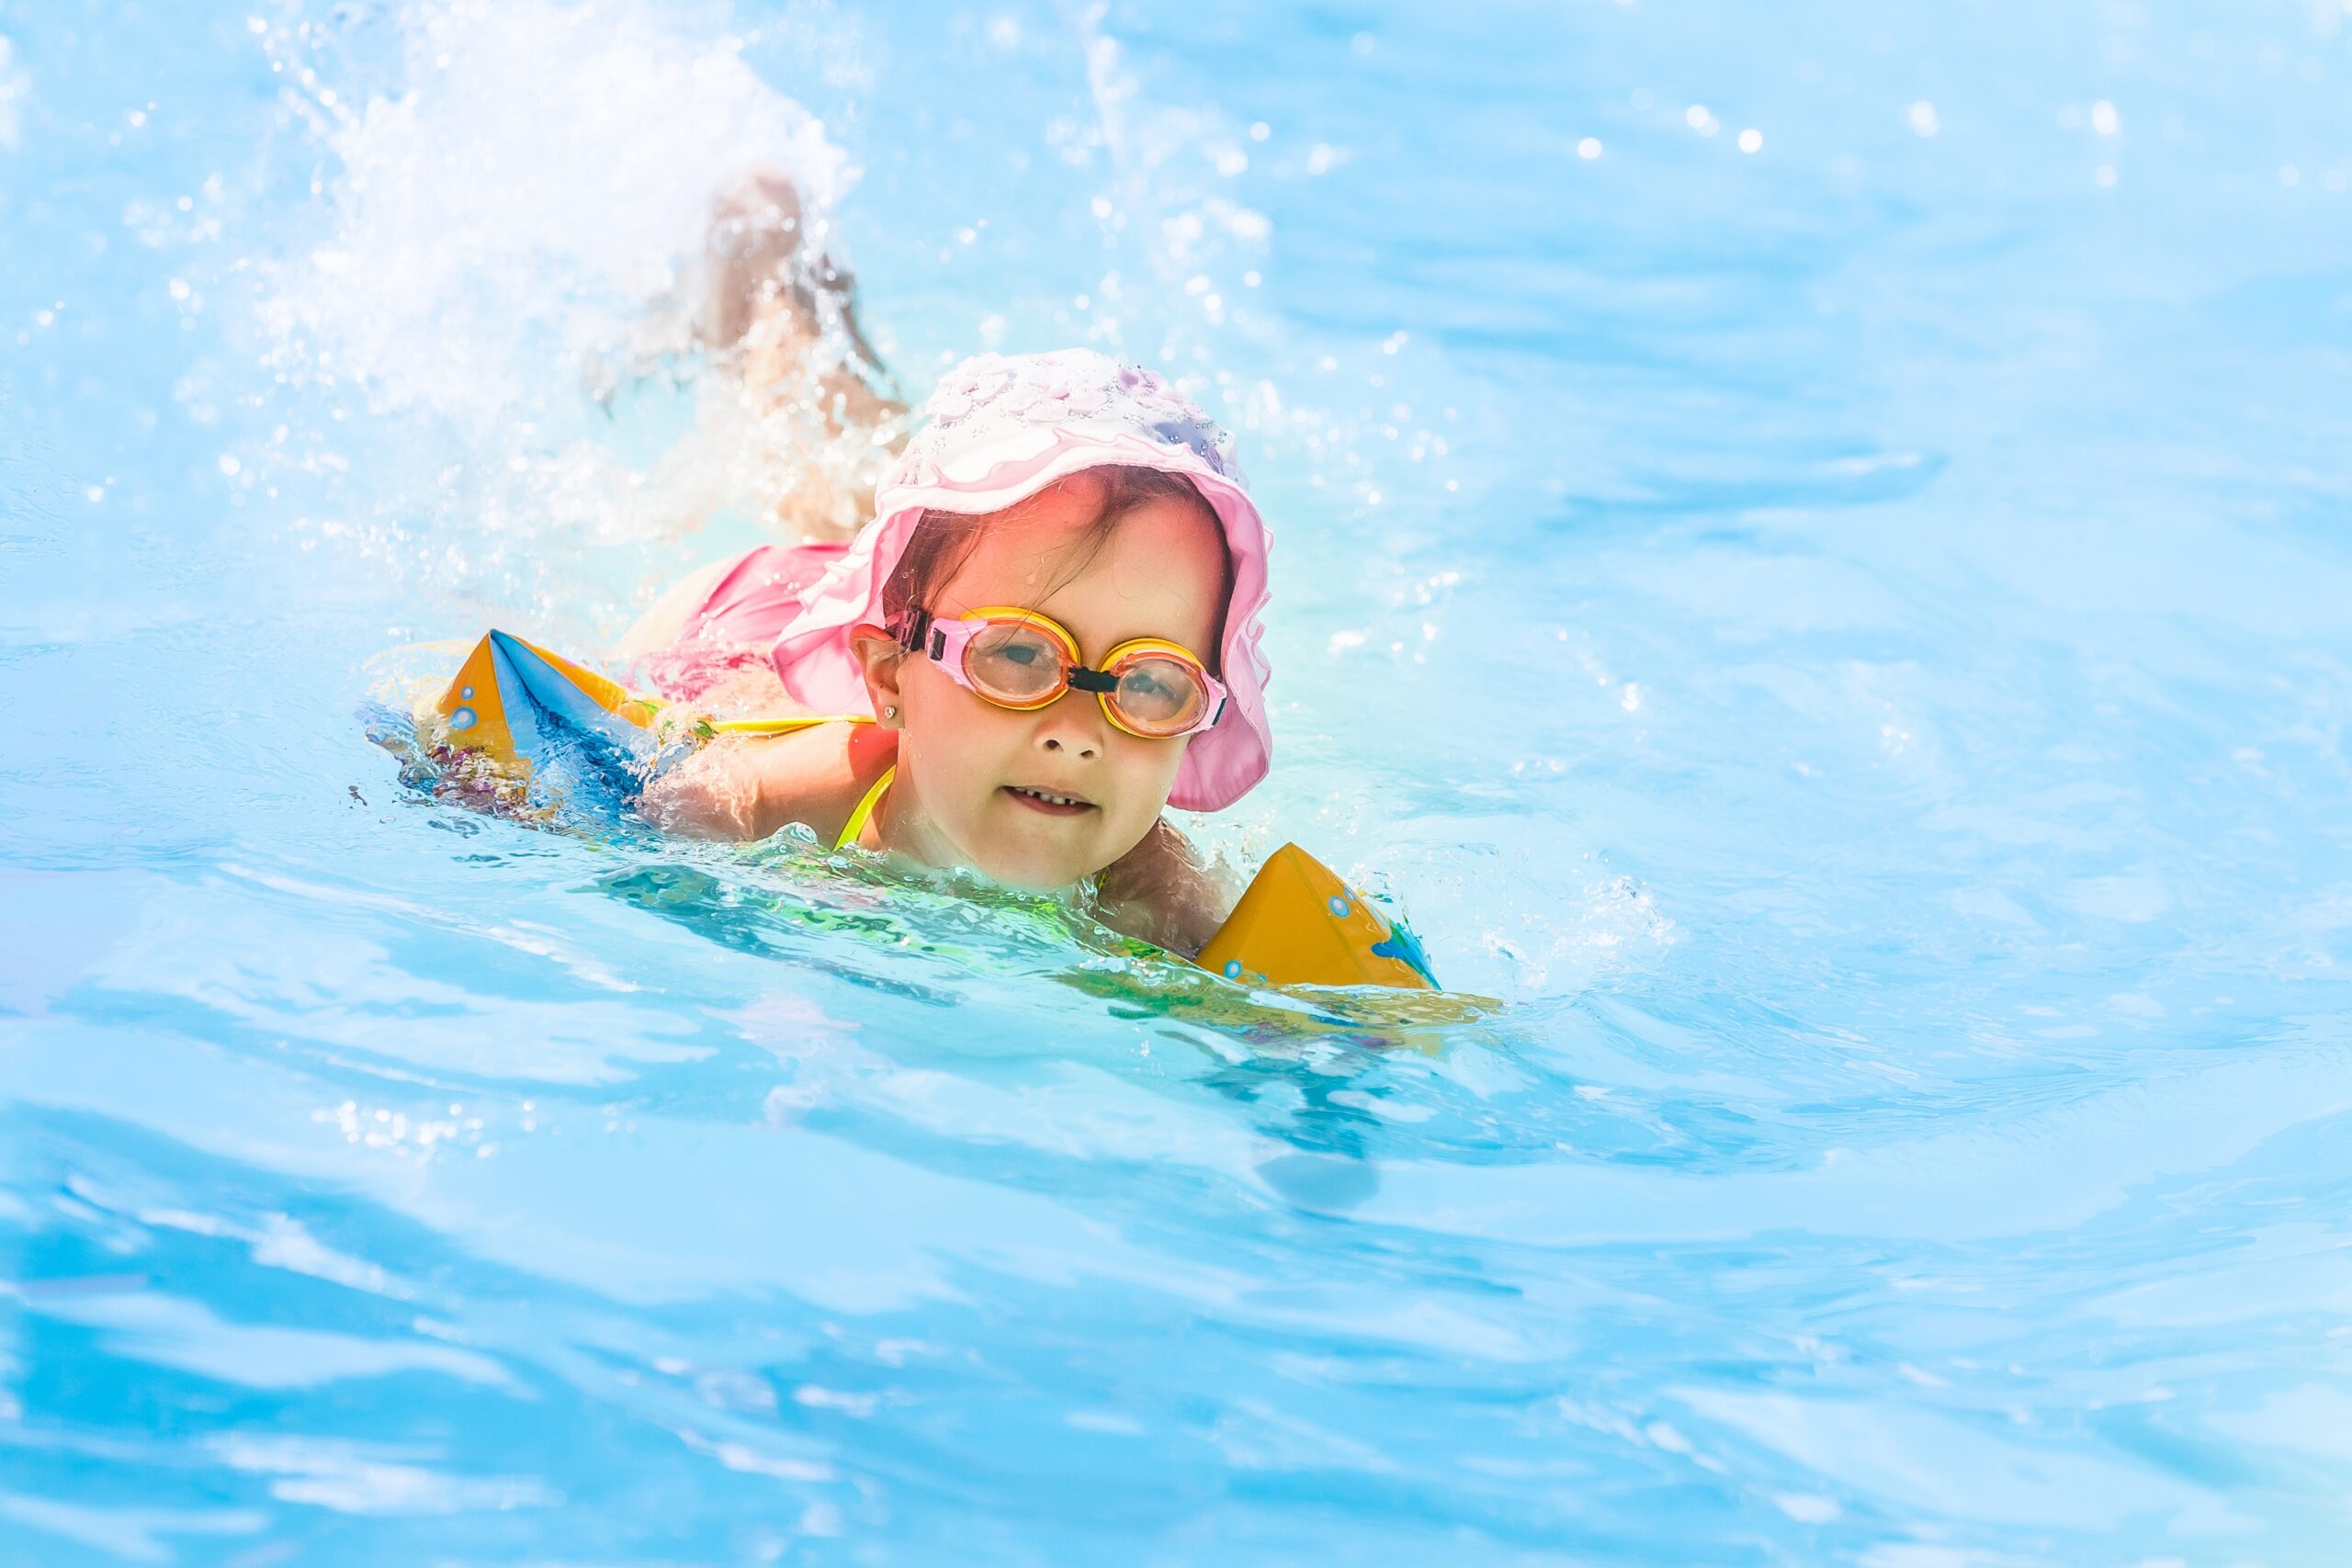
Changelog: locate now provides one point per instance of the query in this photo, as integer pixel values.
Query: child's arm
(1163, 892)
(747, 786)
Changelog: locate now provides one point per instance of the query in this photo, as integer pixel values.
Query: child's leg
(782, 317)
(797, 393)
(775, 294)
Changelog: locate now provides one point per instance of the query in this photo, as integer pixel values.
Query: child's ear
(878, 657)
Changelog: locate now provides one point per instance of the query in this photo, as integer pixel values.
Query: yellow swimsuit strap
(856, 830)
(785, 726)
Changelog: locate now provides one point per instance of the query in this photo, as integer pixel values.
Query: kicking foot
(779, 306)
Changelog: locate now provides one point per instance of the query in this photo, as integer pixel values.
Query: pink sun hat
(997, 430)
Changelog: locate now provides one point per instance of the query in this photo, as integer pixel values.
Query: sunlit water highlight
(1840, 629)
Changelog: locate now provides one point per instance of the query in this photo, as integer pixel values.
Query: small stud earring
(889, 713)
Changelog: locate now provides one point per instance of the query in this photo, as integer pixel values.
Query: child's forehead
(1161, 557)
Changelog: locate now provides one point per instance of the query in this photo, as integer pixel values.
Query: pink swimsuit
(735, 626)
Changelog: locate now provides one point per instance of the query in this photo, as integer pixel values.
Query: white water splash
(14, 86)
(484, 216)
(495, 255)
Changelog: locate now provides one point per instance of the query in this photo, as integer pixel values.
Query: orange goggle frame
(1025, 660)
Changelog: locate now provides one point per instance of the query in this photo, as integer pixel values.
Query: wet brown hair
(944, 541)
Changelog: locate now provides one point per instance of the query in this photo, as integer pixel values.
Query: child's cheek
(961, 741)
(1148, 775)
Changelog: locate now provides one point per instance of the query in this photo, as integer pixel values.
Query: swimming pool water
(1812, 559)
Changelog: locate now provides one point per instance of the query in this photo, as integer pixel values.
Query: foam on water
(489, 221)
(1839, 631)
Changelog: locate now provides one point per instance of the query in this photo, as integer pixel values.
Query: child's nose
(1072, 726)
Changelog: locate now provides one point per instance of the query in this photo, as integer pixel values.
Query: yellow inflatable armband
(1300, 925)
(507, 689)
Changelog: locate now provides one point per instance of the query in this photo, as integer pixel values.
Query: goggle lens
(1018, 664)
(1158, 694)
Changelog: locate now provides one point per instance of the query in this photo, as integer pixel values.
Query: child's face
(967, 767)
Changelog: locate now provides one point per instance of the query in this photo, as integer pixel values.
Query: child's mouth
(1046, 801)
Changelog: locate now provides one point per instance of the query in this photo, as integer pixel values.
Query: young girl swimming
(1046, 634)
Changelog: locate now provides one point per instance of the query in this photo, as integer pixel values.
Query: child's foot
(779, 306)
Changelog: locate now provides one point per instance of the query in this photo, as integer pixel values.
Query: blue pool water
(1846, 641)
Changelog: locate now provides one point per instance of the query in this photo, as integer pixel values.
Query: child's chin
(1036, 868)
(1036, 875)
(1041, 854)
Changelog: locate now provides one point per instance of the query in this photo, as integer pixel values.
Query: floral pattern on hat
(993, 393)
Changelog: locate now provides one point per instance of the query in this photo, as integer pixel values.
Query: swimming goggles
(1025, 660)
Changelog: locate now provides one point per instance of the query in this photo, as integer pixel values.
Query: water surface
(1845, 639)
